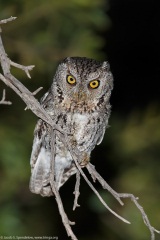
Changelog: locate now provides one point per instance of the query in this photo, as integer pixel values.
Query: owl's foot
(84, 159)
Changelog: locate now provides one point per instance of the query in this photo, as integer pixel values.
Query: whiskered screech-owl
(78, 102)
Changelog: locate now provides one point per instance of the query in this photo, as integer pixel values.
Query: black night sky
(133, 48)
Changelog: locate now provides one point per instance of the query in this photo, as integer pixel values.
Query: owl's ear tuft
(68, 59)
(105, 65)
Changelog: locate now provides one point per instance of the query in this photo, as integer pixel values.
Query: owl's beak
(79, 96)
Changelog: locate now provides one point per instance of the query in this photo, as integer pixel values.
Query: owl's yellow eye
(94, 84)
(71, 80)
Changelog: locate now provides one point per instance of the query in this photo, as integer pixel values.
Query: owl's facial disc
(83, 80)
(78, 94)
(81, 89)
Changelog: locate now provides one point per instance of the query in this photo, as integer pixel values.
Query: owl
(78, 102)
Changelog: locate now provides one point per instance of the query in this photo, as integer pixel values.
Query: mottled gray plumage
(78, 102)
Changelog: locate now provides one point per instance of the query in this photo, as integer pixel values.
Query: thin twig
(34, 93)
(76, 191)
(75, 158)
(29, 99)
(97, 193)
(3, 100)
(7, 20)
(37, 91)
(95, 175)
(26, 69)
(144, 215)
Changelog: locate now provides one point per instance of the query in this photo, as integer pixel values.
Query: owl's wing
(41, 154)
(102, 128)
(40, 161)
(101, 135)
(47, 100)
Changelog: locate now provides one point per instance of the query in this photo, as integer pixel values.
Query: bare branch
(7, 20)
(95, 175)
(38, 110)
(29, 99)
(37, 91)
(26, 69)
(96, 192)
(76, 191)
(34, 93)
(64, 217)
(144, 215)
(75, 158)
(3, 101)
(91, 169)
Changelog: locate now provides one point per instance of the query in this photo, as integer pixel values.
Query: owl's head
(83, 81)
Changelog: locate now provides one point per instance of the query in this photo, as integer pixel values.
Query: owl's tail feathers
(40, 176)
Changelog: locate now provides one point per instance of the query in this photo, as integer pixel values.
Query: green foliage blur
(44, 33)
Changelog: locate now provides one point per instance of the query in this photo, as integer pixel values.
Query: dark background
(133, 49)
(127, 34)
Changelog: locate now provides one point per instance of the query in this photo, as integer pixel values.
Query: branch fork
(26, 69)
(3, 100)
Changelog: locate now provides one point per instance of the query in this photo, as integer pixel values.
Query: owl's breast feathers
(84, 120)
